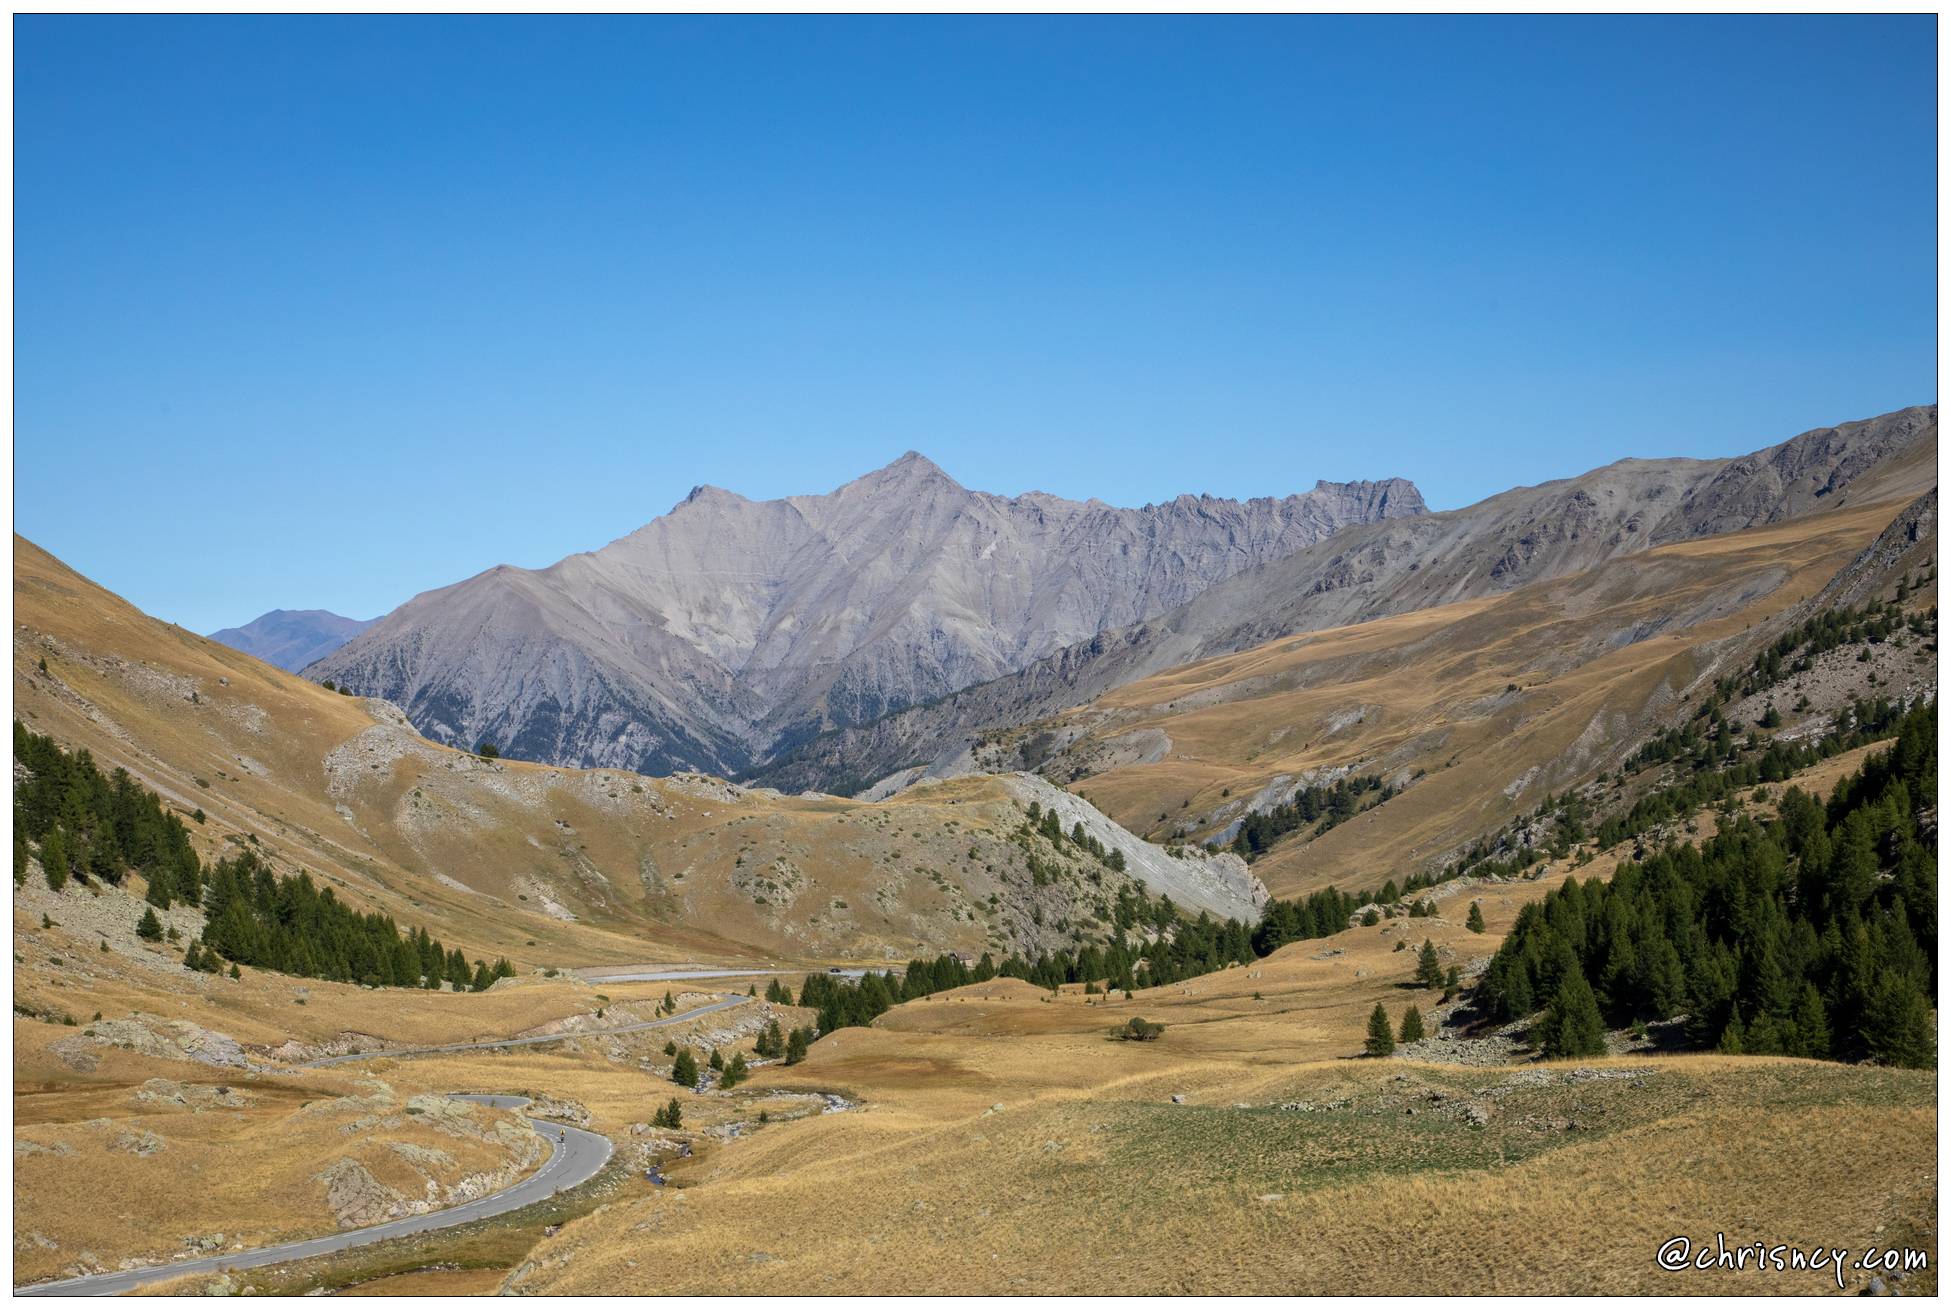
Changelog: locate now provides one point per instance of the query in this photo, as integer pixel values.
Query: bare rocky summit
(729, 630)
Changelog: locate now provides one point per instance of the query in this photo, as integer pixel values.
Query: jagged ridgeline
(1811, 934)
(85, 825)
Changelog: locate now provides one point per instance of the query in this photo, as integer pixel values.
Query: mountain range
(729, 630)
(827, 642)
(1402, 565)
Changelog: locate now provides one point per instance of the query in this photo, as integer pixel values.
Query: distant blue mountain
(291, 639)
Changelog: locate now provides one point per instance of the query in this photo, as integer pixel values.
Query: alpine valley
(916, 889)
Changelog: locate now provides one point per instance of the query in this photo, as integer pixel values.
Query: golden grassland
(1498, 700)
(1000, 1142)
(1005, 1145)
(432, 1282)
(268, 1009)
(191, 1150)
(142, 1158)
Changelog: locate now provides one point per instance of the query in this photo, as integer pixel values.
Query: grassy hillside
(1475, 711)
(991, 1138)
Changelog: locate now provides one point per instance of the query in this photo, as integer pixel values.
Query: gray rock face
(1221, 883)
(1396, 565)
(1908, 546)
(291, 639)
(730, 629)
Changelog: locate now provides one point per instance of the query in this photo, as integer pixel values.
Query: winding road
(624, 973)
(724, 1002)
(575, 1156)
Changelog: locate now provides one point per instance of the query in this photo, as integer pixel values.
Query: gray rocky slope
(730, 629)
(1394, 566)
(291, 639)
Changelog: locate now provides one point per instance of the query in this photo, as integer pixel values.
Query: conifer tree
(1412, 1025)
(685, 1071)
(796, 1045)
(109, 824)
(104, 861)
(717, 1061)
(1897, 1024)
(1734, 1038)
(1381, 1036)
(1572, 1025)
(1429, 969)
(734, 1070)
(1811, 1024)
(1475, 922)
(54, 858)
(150, 929)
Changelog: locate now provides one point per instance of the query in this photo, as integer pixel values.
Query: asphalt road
(627, 974)
(610, 974)
(575, 1156)
(723, 1003)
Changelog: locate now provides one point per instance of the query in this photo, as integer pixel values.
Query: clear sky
(324, 312)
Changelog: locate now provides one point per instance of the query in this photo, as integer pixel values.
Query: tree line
(1047, 824)
(1179, 948)
(1811, 934)
(84, 824)
(88, 825)
(1714, 768)
(290, 925)
(1795, 651)
(1328, 803)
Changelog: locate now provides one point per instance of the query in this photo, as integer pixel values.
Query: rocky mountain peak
(711, 640)
(912, 470)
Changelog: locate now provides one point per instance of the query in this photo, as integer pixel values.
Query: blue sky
(325, 312)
